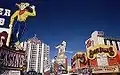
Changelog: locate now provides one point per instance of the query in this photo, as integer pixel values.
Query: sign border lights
(92, 52)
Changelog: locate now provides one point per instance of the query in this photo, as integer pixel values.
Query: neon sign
(11, 58)
(4, 12)
(81, 57)
(109, 50)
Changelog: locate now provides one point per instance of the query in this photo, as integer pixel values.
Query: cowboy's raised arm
(33, 13)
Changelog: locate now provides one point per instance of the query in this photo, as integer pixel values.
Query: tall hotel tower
(37, 55)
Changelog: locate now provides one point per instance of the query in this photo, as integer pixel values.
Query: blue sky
(70, 20)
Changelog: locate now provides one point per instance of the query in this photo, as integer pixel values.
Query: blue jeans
(18, 31)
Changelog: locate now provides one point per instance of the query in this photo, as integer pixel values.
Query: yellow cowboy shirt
(21, 17)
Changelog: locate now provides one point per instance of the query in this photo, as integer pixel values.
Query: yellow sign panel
(93, 51)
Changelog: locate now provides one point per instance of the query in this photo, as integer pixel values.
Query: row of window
(112, 42)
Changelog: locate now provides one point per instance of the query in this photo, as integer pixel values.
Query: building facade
(37, 55)
(103, 54)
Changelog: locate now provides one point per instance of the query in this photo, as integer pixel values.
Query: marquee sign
(110, 51)
(107, 69)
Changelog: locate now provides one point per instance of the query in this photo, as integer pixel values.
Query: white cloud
(69, 51)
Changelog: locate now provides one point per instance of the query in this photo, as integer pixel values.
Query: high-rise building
(37, 55)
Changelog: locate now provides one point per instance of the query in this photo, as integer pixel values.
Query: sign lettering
(7, 12)
(1, 11)
(4, 12)
(2, 21)
(12, 59)
(109, 50)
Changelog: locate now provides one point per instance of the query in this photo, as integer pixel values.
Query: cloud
(69, 51)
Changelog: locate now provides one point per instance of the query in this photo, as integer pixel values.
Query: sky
(69, 20)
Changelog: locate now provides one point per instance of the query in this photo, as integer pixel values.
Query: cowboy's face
(22, 6)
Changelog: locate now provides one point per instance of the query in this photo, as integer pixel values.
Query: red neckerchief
(22, 11)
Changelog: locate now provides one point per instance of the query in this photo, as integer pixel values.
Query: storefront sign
(109, 50)
(108, 69)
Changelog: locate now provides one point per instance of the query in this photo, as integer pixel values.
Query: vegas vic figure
(18, 21)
